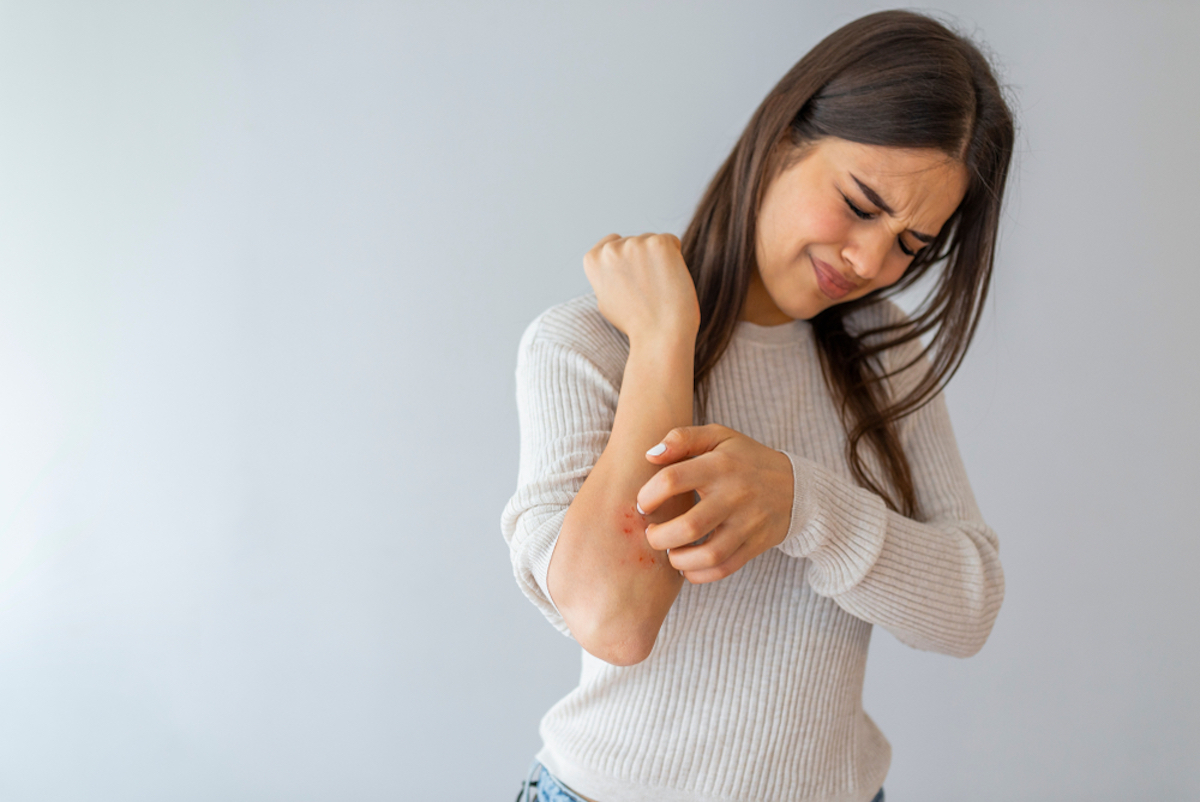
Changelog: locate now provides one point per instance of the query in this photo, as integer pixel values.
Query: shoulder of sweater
(906, 362)
(577, 326)
(883, 312)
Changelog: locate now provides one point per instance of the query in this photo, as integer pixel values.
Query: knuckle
(705, 559)
(722, 552)
(762, 518)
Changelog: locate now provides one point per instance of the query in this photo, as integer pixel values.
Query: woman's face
(843, 220)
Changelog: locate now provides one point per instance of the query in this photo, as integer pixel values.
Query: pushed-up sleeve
(934, 582)
(566, 405)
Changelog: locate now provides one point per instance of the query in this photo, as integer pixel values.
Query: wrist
(799, 539)
(665, 341)
(666, 356)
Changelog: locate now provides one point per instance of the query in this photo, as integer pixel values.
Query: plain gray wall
(263, 269)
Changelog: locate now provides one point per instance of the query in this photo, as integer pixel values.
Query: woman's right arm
(589, 409)
(612, 589)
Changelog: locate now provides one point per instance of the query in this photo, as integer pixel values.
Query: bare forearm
(611, 587)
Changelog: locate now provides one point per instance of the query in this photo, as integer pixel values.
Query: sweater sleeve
(566, 405)
(935, 583)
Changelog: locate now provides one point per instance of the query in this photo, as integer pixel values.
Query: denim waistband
(542, 786)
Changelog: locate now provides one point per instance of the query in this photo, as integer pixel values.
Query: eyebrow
(874, 198)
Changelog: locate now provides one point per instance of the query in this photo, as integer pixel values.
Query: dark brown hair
(896, 79)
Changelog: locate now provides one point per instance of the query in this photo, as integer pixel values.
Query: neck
(759, 308)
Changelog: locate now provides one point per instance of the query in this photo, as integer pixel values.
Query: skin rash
(633, 524)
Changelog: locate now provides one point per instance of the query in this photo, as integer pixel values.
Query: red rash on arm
(633, 524)
(612, 602)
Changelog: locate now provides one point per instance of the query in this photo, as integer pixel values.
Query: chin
(806, 311)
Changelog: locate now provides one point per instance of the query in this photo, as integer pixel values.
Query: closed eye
(871, 216)
(861, 214)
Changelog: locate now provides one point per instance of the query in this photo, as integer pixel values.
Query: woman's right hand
(643, 286)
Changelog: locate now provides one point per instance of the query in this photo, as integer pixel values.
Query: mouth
(833, 284)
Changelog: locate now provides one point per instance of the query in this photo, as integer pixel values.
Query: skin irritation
(633, 524)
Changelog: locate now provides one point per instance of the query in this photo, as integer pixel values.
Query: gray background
(263, 269)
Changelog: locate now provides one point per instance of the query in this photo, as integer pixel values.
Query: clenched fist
(643, 286)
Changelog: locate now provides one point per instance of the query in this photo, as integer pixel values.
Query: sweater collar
(785, 334)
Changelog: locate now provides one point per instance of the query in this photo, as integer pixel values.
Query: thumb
(687, 441)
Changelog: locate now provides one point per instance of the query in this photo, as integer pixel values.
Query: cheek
(828, 226)
(892, 273)
(796, 230)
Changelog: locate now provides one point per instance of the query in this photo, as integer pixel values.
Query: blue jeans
(542, 786)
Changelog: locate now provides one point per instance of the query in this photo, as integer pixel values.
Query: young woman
(735, 455)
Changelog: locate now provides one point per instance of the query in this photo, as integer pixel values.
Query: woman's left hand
(745, 504)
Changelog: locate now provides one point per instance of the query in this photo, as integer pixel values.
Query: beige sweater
(753, 691)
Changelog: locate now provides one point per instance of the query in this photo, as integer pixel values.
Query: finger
(701, 474)
(717, 548)
(684, 530)
(589, 258)
(673, 480)
(731, 566)
(688, 441)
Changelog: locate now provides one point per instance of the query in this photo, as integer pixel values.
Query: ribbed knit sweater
(753, 690)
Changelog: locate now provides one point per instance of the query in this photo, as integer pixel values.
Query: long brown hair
(896, 79)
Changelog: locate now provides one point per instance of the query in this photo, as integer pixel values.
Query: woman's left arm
(935, 583)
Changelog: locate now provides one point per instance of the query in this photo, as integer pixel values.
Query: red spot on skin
(633, 524)
(630, 524)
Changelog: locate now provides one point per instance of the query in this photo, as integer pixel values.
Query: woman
(723, 579)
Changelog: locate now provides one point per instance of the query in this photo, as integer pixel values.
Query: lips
(830, 281)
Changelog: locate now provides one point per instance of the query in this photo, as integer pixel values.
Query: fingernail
(639, 508)
(658, 449)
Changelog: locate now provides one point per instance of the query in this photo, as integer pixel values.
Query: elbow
(615, 643)
(976, 632)
(960, 644)
(979, 612)
(987, 612)
(620, 654)
(969, 647)
(962, 635)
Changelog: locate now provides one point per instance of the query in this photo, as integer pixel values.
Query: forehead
(922, 186)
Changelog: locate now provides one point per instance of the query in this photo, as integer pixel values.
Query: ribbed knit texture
(753, 691)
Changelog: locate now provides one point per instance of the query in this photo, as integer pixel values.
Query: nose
(866, 252)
